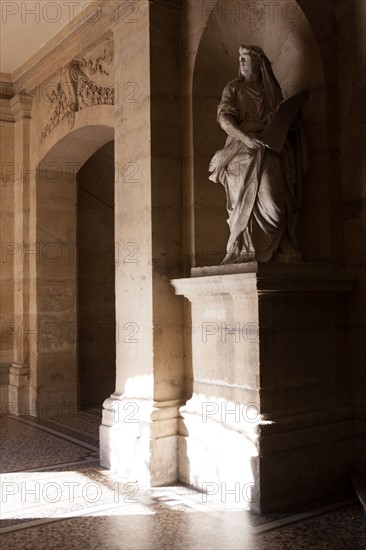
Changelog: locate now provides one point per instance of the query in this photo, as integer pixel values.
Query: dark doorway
(96, 278)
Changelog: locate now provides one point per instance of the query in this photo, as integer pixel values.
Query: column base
(138, 440)
(4, 388)
(19, 389)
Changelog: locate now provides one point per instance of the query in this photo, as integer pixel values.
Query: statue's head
(252, 59)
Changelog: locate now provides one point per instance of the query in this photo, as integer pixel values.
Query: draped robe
(260, 184)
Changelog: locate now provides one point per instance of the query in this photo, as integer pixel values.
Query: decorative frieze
(99, 65)
(79, 88)
(90, 93)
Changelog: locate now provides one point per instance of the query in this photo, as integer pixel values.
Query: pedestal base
(218, 450)
(270, 416)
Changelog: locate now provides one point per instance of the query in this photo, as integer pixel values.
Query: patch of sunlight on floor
(58, 494)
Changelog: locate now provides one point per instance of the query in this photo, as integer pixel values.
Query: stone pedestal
(269, 423)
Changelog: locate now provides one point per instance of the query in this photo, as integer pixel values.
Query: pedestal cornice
(263, 278)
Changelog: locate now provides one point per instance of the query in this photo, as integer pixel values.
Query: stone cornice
(21, 106)
(6, 113)
(125, 14)
(6, 86)
(263, 278)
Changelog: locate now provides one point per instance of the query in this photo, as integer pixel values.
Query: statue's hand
(251, 142)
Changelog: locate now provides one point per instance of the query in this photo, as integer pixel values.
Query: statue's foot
(232, 258)
(229, 259)
(245, 258)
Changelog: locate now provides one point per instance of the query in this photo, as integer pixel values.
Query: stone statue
(261, 163)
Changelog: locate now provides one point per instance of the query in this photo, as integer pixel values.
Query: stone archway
(53, 356)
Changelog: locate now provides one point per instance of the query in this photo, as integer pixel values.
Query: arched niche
(53, 361)
(285, 35)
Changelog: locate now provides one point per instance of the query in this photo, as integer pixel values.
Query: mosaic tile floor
(55, 495)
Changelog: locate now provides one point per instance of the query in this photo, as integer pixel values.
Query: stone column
(9, 249)
(24, 260)
(139, 430)
(270, 417)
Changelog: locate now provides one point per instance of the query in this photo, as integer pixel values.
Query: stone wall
(351, 19)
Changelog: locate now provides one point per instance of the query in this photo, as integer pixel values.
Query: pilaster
(149, 367)
(23, 266)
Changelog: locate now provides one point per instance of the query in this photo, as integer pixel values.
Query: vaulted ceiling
(27, 25)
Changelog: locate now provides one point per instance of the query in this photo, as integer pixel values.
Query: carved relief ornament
(76, 90)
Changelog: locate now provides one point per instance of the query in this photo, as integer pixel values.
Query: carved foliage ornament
(77, 90)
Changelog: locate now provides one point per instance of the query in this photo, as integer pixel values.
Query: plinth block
(270, 411)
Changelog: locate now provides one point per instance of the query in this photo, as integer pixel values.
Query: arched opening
(96, 277)
(54, 380)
